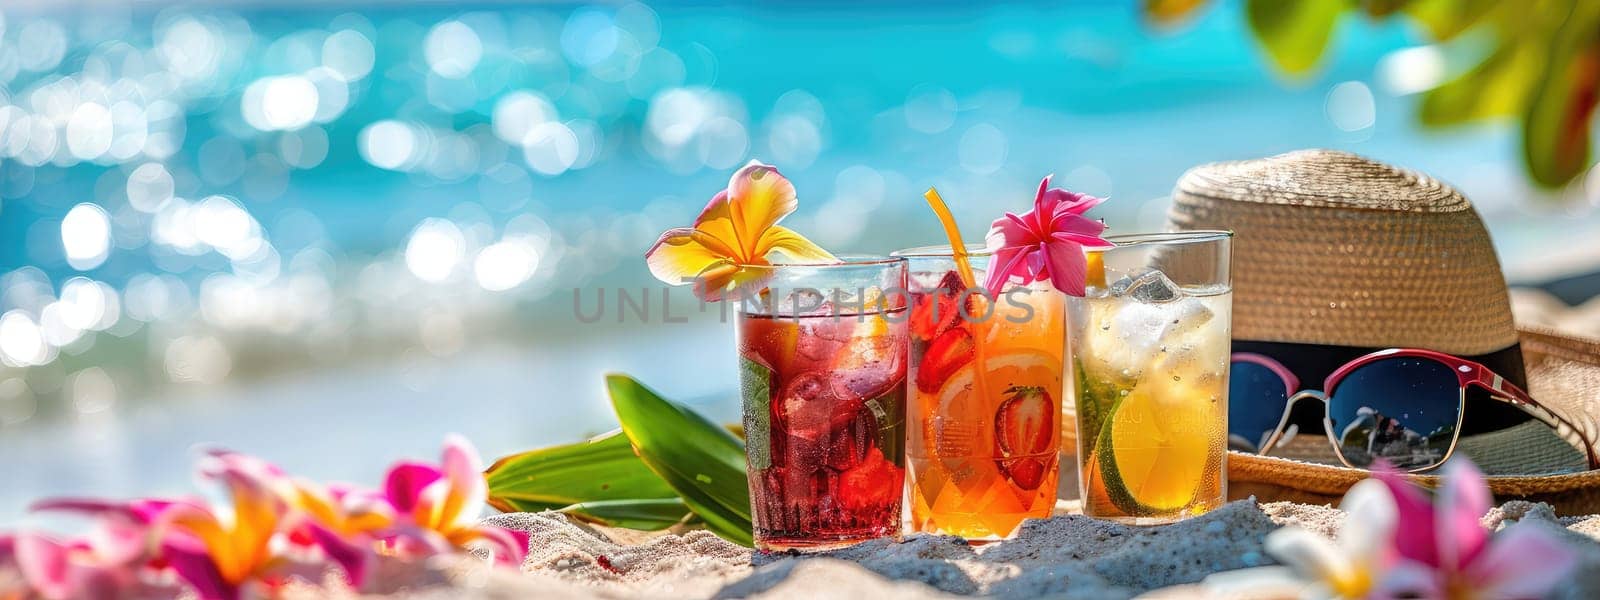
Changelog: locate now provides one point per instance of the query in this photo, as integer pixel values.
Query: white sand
(1065, 556)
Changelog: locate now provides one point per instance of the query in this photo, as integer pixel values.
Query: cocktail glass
(1148, 354)
(985, 385)
(822, 370)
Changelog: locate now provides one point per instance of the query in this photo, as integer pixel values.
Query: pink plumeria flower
(114, 560)
(342, 508)
(253, 548)
(1445, 551)
(436, 508)
(1046, 242)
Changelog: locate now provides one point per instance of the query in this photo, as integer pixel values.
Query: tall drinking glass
(1148, 349)
(822, 371)
(985, 386)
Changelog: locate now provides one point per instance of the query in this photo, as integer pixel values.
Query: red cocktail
(824, 406)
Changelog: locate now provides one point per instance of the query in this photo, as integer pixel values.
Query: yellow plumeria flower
(734, 237)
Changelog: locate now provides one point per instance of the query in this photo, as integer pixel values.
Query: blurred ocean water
(330, 233)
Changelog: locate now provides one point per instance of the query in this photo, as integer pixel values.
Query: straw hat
(1334, 253)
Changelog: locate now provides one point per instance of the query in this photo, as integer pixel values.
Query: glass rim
(1196, 236)
(941, 251)
(846, 261)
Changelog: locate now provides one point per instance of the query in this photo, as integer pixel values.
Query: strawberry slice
(873, 483)
(1024, 423)
(1027, 473)
(945, 355)
(934, 311)
(1023, 427)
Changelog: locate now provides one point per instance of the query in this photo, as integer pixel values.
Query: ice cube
(1133, 340)
(1199, 342)
(1150, 287)
(810, 409)
(1185, 316)
(801, 302)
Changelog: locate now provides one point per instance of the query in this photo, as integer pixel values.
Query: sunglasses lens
(1256, 401)
(1404, 410)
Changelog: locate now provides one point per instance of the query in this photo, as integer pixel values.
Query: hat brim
(1272, 479)
(1563, 372)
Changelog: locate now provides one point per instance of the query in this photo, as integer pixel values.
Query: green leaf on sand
(644, 515)
(699, 459)
(603, 468)
(1295, 32)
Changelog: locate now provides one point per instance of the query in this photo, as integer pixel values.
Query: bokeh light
(435, 248)
(452, 49)
(86, 236)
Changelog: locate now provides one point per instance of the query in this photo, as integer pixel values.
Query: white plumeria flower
(1351, 566)
(1316, 567)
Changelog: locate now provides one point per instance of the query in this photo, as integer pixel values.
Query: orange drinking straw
(958, 249)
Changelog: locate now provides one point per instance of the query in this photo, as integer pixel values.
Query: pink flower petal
(1007, 263)
(1044, 202)
(340, 491)
(147, 510)
(408, 541)
(1013, 231)
(1074, 203)
(1523, 561)
(469, 491)
(87, 506)
(44, 564)
(508, 547)
(352, 557)
(1067, 267)
(120, 534)
(8, 547)
(1083, 230)
(1460, 507)
(188, 558)
(405, 482)
(119, 541)
(258, 466)
(1414, 538)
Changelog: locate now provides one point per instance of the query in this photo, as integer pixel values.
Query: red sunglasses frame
(1468, 374)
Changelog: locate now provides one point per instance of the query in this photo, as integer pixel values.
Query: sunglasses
(1400, 405)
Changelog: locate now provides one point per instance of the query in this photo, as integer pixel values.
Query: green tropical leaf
(1497, 87)
(1446, 19)
(645, 515)
(598, 469)
(699, 459)
(1556, 126)
(1294, 32)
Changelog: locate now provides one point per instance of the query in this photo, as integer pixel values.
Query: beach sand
(1067, 555)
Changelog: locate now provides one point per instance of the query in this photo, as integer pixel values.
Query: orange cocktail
(985, 379)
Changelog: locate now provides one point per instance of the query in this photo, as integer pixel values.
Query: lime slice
(1153, 449)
